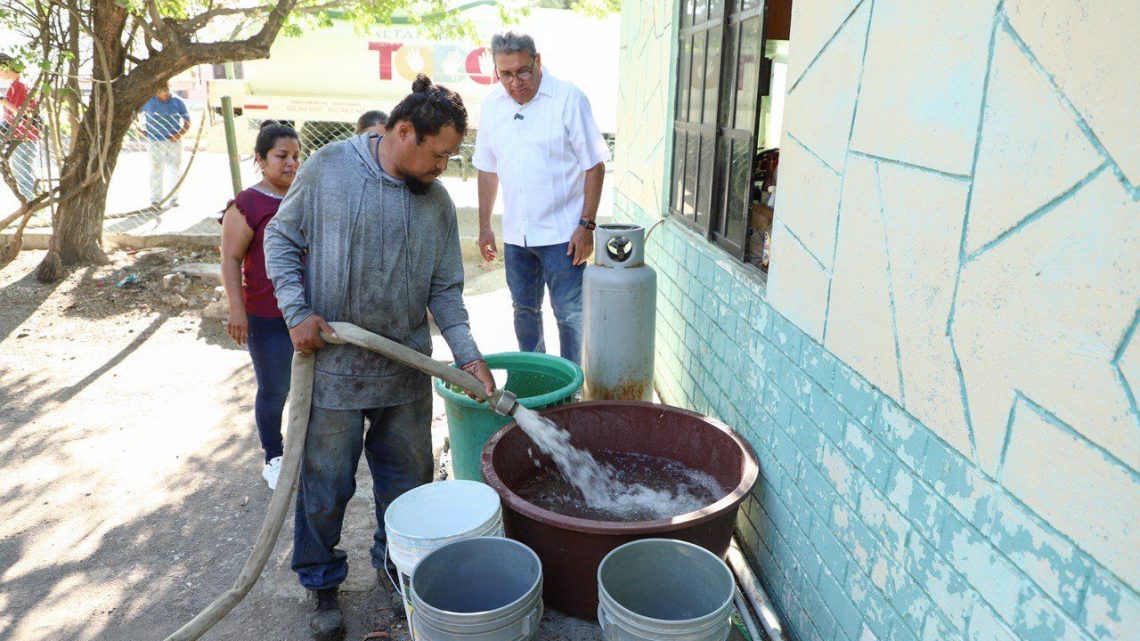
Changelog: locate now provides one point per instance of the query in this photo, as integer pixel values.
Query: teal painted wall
(938, 377)
(865, 524)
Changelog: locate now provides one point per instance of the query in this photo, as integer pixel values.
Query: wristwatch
(587, 223)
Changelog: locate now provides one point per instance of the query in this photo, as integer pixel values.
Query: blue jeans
(272, 353)
(397, 445)
(528, 269)
(23, 166)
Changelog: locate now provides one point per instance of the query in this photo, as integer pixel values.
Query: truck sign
(334, 74)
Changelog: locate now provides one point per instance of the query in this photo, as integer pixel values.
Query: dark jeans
(272, 355)
(397, 445)
(528, 270)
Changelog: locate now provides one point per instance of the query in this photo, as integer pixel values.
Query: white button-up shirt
(540, 151)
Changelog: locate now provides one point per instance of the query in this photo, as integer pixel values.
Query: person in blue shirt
(167, 119)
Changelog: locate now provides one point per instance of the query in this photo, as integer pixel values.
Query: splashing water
(612, 494)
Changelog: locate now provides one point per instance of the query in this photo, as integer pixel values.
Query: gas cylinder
(619, 308)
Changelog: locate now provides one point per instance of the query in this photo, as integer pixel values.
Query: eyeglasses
(507, 77)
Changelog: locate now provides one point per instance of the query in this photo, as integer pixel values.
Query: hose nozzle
(504, 403)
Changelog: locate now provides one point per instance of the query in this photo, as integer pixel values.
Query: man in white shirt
(537, 136)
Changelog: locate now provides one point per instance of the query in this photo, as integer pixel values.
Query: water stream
(624, 487)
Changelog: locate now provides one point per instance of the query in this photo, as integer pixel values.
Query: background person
(253, 314)
(537, 137)
(22, 130)
(368, 236)
(372, 122)
(167, 119)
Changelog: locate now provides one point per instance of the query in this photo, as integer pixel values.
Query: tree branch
(197, 22)
(162, 32)
(183, 53)
(202, 19)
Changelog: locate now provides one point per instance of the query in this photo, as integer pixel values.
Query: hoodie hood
(361, 145)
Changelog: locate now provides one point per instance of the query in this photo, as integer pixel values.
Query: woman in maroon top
(254, 317)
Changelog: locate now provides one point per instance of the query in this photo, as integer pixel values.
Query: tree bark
(77, 226)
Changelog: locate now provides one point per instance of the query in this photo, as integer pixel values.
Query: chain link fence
(25, 157)
(166, 150)
(316, 134)
(167, 161)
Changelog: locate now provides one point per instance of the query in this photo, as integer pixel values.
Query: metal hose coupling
(504, 403)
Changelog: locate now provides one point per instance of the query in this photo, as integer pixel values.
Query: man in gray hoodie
(366, 235)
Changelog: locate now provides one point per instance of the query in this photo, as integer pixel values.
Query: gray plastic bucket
(477, 589)
(433, 515)
(664, 590)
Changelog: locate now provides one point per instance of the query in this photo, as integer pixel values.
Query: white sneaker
(271, 471)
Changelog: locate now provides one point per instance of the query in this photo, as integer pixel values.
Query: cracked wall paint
(902, 435)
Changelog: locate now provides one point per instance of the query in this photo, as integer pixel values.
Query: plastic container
(571, 548)
(479, 589)
(422, 520)
(664, 590)
(538, 380)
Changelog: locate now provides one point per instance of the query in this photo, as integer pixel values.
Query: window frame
(714, 222)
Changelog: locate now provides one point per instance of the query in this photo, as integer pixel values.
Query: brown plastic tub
(571, 548)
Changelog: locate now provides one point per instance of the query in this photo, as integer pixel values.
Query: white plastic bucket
(477, 589)
(424, 519)
(664, 590)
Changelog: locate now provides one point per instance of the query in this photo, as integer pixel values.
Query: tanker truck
(324, 79)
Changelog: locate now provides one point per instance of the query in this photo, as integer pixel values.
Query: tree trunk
(77, 230)
(77, 226)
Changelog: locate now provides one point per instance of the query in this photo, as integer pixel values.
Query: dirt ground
(131, 486)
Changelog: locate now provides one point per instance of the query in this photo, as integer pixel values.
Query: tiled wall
(939, 376)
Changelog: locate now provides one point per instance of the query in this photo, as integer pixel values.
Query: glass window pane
(716, 9)
(722, 157)
(712, 76)
(692, 151)
(684, 66)
(678, 170)
(749, 4)
(749, 74)
(705, 179)
(728, 77)
(702, 12)
(697, 81)
(739, 186)
(687, 13)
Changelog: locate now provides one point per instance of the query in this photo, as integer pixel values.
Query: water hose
(300, 402)
(502, 401)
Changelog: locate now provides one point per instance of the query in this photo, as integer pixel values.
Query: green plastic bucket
(538, 380)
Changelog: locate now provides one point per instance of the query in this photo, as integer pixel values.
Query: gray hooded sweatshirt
(352, 243)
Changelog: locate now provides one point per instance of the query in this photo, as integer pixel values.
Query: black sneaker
(326, 623)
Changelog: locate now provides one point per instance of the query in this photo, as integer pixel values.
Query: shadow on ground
(19, 300)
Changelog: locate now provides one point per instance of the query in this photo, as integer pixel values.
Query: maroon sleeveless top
(257, 290)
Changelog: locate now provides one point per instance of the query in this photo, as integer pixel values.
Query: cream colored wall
(958, 218)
